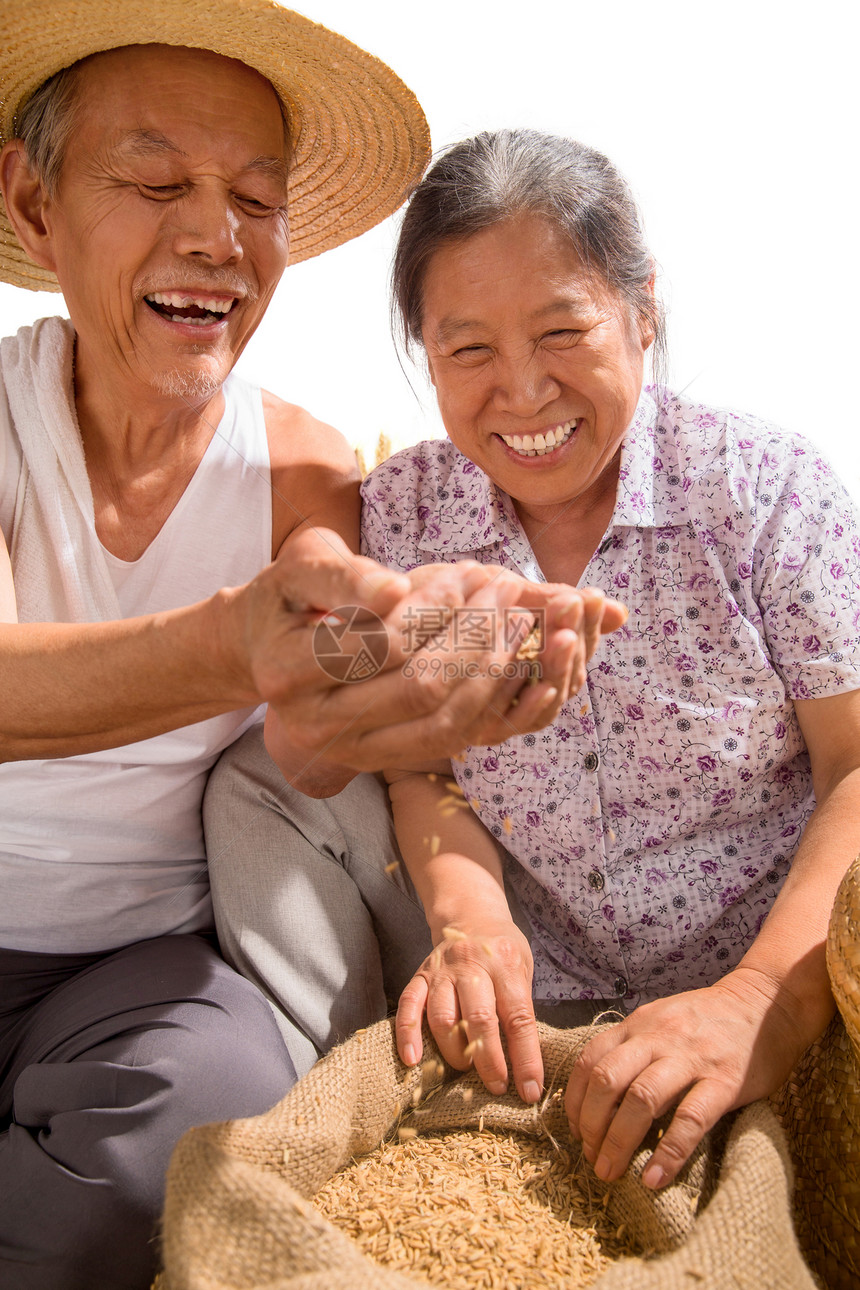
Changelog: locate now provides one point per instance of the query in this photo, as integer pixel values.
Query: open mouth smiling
(187, 307)
(539, 445)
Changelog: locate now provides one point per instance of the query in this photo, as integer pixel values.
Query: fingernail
(498, 1087)
(531, 1091)
(409, 1055)
(654, 1177)
(603, 1168)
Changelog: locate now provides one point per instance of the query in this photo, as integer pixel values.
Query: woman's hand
(715, 1049)
(470, 986)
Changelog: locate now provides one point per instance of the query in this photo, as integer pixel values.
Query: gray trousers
(311, 903)
(105, 1061)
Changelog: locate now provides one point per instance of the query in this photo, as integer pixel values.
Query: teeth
(540, 445)
(181, 300)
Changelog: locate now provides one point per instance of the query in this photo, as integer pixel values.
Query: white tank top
(104, 849)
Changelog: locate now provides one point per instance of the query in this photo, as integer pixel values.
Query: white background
(736, 125)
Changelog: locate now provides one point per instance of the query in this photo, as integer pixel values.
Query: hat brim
(360, 138)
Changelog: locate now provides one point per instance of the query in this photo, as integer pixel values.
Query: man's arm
(77, 688)
(72, 688)
(315, 484)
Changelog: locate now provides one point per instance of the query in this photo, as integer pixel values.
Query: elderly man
(172, 540)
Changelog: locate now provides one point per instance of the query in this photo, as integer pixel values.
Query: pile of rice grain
(474, 1211)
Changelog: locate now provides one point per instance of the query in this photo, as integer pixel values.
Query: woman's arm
(480, 972)
(719, 1048)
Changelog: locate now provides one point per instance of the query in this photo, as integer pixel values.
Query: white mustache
(212, 280)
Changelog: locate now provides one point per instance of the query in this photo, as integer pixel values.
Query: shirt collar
(635, 501)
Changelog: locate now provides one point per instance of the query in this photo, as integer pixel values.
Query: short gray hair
(45, 123)
(48, 117)
(499, 175)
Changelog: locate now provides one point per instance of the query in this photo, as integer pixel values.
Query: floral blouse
(654, 822)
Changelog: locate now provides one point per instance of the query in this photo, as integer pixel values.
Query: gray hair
(45, 123)
(497, 176)
(47, 119)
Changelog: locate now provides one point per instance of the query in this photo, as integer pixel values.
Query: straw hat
(360, 136)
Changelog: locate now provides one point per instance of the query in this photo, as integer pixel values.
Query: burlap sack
(238, 1216)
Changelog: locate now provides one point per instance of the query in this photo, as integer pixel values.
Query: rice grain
(472, 1210)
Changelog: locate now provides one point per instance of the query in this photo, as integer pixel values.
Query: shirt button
(595, 881)
(592, 761)
(620, 986)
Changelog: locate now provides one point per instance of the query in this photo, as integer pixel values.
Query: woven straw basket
(819, 1108)
(238, 1215)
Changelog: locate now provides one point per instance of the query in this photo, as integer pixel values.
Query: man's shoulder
(314, 472)
(297, 437)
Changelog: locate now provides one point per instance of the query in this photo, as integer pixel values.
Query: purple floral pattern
(653, 824)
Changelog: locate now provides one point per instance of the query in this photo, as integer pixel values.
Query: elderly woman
(676, 837)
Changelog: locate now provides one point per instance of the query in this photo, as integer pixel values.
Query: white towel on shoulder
(57, 560)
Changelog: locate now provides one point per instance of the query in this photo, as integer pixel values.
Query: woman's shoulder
(725, 444)
(406, 500)
(421, 468)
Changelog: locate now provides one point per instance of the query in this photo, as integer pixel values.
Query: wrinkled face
(537, 364)
(169, 227)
